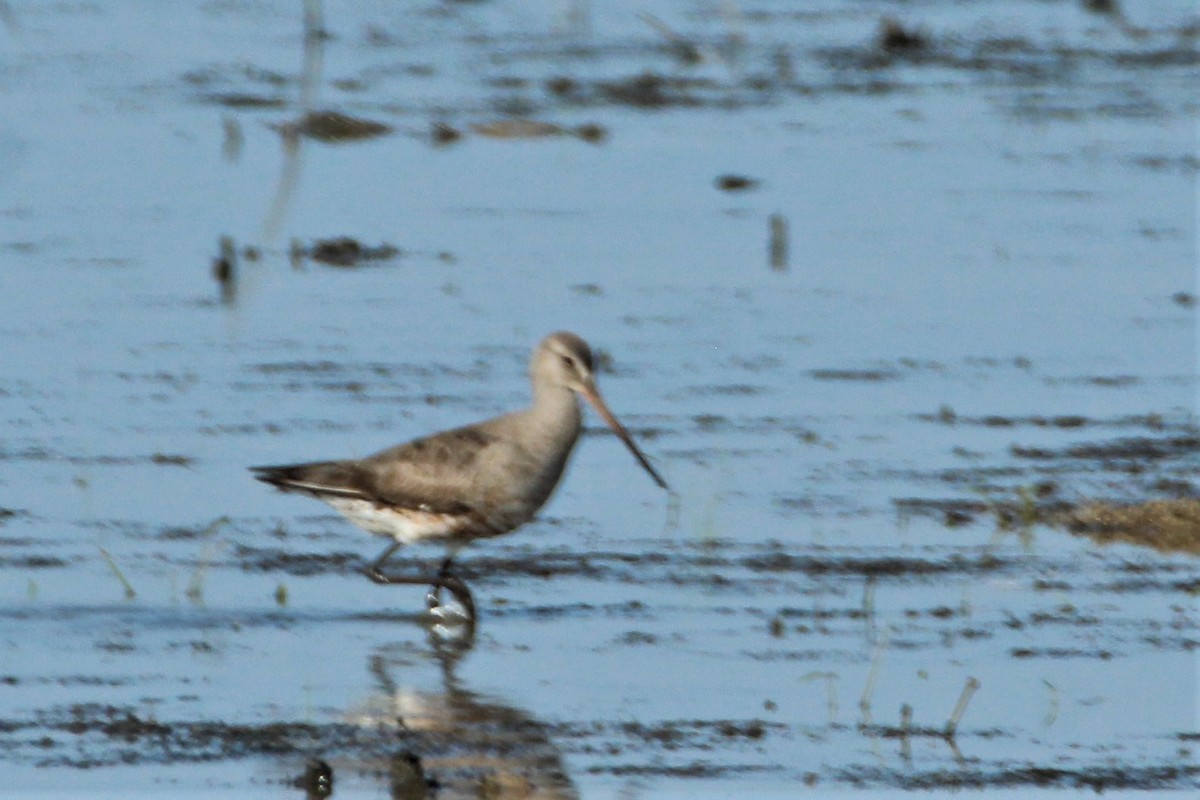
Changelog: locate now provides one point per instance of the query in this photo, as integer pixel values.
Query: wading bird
(468, 483)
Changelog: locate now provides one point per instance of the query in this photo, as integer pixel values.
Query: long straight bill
(593, 397)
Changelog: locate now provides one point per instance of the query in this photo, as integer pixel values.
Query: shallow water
(988, 303)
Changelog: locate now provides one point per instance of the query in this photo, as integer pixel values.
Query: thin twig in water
(830, 691)
(777, 247)
(864, 702)
(684, 49)
(129, 590)
(960, 707)
(1052, 710)
(869, 603)
(195, 590)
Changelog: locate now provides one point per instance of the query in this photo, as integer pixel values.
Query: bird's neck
(559, 405)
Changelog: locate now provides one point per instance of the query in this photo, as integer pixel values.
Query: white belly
(403, 525)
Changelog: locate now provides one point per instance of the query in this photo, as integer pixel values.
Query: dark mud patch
(259, 559)
(1097, 778)
(896, 39)
(735, 183)
(89, 735)
(1026, 505)
(952, 511)
(892, 55)
(102, 460)
(948, 416)
(1184, 299)
(692, 769)
(728, 390)
(1135, 451)
(239, 86)
(884, 566)
(653, 90)
(701, 734)
(343, 251)
(334, 127)
(866, 375)
(681, 567)
(462, 741)
(1017, 58)
(245, 100)
(20, 541)
(1061, 652)
(1127, 578)
(647, 90)
(33, 562)
(325, 367)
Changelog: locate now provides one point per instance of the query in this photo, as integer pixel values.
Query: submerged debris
(1138, 450)
(442, 133)
(517, 128)
(684, 50)
(245, 100)
(735, 183)
(342, 251)
(522, 128)
(232, 138)
(224, 270)
(953, 511)
(332, 127)
(777, 247)
(853, 374)
(895, 38)
(647, 90)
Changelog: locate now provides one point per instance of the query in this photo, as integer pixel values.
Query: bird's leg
(447, 580)
(435, 591)
(374, 569)
(443, 580)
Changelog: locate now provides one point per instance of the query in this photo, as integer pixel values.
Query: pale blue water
(993, 239)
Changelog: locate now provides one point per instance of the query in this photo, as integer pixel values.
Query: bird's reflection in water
(450, 742)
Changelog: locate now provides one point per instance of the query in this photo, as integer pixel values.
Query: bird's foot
(433, 600)
(463, 605)
(377, 575)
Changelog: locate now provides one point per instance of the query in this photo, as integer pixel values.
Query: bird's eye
(568, 361)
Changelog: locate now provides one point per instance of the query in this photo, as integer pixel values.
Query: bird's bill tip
(592, 395)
